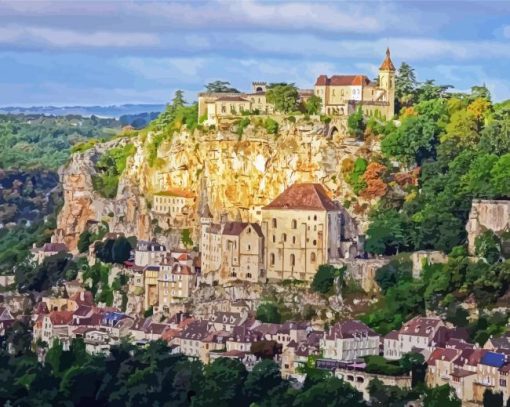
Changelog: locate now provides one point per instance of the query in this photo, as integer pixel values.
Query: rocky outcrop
(234, 176)
(487, 215)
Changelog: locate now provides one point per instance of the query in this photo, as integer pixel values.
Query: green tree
(324, 278)
(405, 85)
(121, 250)
(271, 126)
(186, 238)
(501, 176)
(220, 87)
(330, 392)
(283, 96)
(313, 105)
(223, 384)
(386, 233)
(84, 241)
(491, 399)
(356, 124)
(178, 100)
(488, 246)
(262, 381)
(398, 269)
(269, 312)
(441, 396)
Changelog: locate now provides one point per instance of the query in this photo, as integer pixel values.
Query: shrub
(325, 277)
(271, 126)
(269, 312)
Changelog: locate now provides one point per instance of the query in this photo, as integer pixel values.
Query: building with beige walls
(177, 280)
(242, 246)
(343, 94)
(303, 228)
(175, 206)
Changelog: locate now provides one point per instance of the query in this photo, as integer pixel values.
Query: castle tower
(387, 82)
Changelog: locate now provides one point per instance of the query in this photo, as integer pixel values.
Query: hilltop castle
(340, 94)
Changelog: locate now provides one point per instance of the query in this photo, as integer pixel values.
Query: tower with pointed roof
(387, 82)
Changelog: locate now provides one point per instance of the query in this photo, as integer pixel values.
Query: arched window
(312, 257)
(314, 217)
(271, 259)
(273, 222)
(315, 242)
(292, 260)
(294, 224)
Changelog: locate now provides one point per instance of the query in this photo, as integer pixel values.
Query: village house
(150, 283)
(303, 228)
(99, 341)
(197, 340)
(349, 340)
(416, 334)
(55, 325)
(177, 279)
(227, 321)
(149, 253)
(176, 206)
(343, 94)
(295, 354)
(242, 249)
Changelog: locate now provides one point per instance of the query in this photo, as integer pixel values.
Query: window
(249, 230)
(273, 222)
(284, 237)
(312, 257)
(315, 242)
(314, 217)
(274, 238)
(271, 259)
(249, 247)
(294, 224)
(292, 260)
(294, 239)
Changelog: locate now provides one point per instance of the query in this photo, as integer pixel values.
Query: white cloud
(67, 38)
(164, 68)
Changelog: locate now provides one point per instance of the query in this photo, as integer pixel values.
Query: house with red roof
(343, 94)
(303, 228)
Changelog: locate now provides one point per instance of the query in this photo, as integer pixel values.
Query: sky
(73, 52)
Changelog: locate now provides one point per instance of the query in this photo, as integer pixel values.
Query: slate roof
(349, 329)
(236, 228)
(421, 326)
(305, 196)
(493, 359)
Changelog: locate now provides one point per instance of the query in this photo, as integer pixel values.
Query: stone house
(349, 340)
(303, 229)
(416, 334)
(150, 283)
(176, 206)
(176, 281)
(99, 342)
(343, 94)
(149, 253)
(242, 250)
(55, 325)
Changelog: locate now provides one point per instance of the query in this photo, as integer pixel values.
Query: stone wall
(487, 215)
(363, 271)
(426, 257)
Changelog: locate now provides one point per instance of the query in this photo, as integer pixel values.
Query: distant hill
(86, 111)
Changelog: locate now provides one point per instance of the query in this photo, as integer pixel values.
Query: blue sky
(72, 52)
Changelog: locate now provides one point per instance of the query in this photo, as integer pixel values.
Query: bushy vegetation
(323, 280)
(45, 142)
(151, 376)
(109, 167)
(176, 115)
(458, 147)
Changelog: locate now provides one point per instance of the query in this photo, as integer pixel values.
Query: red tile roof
(342, 80)
(61, 317)
(387, 65)
(306, 196)
(232, 99)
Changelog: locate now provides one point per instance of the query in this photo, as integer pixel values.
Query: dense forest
(37, 141)
(152, 375)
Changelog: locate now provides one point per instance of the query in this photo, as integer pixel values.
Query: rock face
(487, 215)
(235, 176)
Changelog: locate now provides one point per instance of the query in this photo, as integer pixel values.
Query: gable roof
(349, 329)
(236, 228)
(342, 80)
(493, 359)
(306, 196)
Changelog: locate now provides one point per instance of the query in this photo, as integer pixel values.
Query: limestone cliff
(487, 215)
(234, 175)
